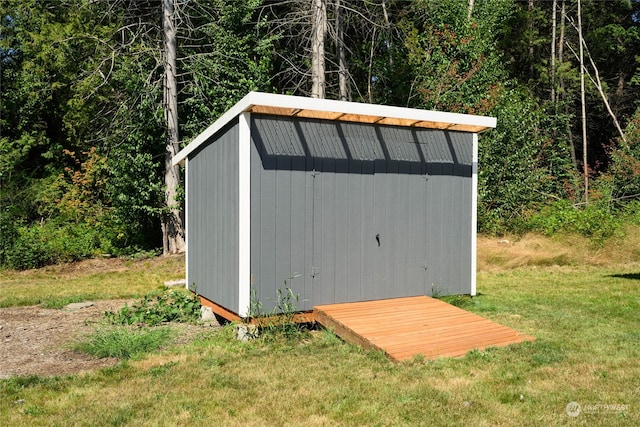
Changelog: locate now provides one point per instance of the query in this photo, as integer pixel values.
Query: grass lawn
(586, 319)
(55, 286)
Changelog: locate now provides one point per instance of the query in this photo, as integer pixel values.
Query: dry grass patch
(532, 250)
(529, 250)
(160, 360)
(99, 279)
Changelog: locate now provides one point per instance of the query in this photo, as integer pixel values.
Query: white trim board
(244, 214)
(297, 106)
(474, 215)
(186, 224)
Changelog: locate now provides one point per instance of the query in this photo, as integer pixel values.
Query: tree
(45, 135)
(554, 26)
(172, 227)
(318, 31)
(98, 70)
(455, 66)
(360, 31)
(585, 164)
(204, 25)
(343, 72)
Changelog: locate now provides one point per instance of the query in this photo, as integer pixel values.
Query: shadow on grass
(632, 276)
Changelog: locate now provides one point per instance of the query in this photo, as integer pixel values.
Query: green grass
(124, 342)
(56, 286)
(586, 320)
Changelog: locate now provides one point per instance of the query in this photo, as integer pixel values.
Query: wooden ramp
(404, 327)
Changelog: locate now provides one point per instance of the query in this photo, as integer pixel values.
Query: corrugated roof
(296, 106)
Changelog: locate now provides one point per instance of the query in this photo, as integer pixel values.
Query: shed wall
(352, 212)
(212, 221)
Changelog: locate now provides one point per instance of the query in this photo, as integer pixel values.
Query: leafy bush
(159, 307)
(624, 169)
(8, 235)
(518, 163)
(632, 212)
(48, 243)
(597, 220)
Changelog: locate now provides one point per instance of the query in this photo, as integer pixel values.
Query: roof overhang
(297, 106)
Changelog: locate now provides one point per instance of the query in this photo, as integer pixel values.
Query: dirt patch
(35, 340)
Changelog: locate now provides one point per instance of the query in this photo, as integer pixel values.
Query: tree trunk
(389, 36)
(343, 82)
(553, 51)
(531, 48)
(563, 21)
(172, 225)
(598, 84)
(585, 165)
(318, 32)
(370, 73)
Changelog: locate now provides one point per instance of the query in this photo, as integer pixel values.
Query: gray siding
(358, 212)
(212, 223)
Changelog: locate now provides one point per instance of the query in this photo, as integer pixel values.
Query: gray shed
(338, 201)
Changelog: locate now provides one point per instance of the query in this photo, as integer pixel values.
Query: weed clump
(159, 307)
(281, 321)
(123, 342)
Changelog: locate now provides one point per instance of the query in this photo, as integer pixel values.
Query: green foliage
(8, 235)
(625, 162)
(54, 170)
(597, 220)
(518, 164)
(462, 301)
(50, 243)
(124, 342)
(159, 307)
(458, 68)
(81, 112)
(280, 322)
(235, 60)
(17, 384)
(455, 65)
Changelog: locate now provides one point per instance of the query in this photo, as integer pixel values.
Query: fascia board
(351, 109)
(356, 108)
(231, 114)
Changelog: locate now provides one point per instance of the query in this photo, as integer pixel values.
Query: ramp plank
(405, 327)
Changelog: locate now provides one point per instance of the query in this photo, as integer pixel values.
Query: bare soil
(37, 341)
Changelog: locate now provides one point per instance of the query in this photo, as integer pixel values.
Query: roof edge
(269, 103)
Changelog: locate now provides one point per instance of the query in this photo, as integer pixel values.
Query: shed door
(369, 235)
(353, 212)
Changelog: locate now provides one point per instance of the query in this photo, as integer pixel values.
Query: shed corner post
(186, 222)
(244, 214)
(474, 215)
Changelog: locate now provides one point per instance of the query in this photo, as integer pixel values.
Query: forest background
(84, 135)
